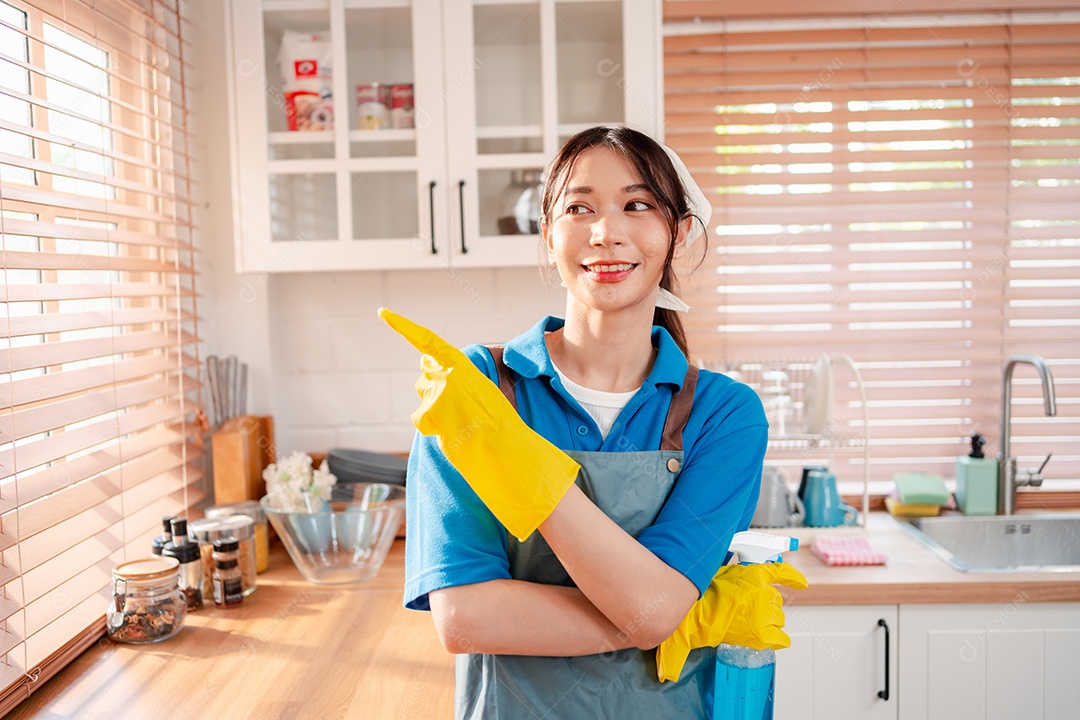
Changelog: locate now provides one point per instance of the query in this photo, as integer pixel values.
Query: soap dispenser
(976, 480)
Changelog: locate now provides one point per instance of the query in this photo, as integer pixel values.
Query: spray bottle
(744, 677)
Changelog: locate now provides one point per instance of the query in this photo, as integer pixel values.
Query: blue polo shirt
(453, 539)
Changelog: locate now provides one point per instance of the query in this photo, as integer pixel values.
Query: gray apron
(630, 488)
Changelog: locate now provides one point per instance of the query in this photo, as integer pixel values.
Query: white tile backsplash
(387, 438)
(343, 379)
(403, 397)
(333, 399)
(304, 346)
(325, 295)
(448, 291)
(370, 345)
(306, 439)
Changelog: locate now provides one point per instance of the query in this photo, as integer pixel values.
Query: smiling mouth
(610, 268)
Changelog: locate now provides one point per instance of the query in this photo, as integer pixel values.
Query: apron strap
(505, 383)
(678, 411)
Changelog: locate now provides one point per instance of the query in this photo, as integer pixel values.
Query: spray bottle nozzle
(754, 547)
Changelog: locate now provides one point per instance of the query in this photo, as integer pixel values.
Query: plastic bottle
(744, 677)
(977, 480)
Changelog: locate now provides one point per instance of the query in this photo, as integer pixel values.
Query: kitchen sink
(1043, 542)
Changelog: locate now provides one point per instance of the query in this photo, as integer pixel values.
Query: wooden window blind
(98, 370)
(901, 189)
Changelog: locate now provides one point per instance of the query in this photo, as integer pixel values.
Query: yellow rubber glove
(518, 474)
(740, 607)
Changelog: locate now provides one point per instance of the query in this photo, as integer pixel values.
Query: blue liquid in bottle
(744, 683)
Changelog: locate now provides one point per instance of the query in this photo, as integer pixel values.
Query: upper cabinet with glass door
(322, 181)
(533, 74)
(333, 171)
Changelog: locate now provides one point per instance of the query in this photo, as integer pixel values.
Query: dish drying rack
(798, 396)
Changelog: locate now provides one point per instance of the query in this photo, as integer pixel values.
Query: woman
(563, 624)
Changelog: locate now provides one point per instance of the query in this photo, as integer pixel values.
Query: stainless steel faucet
(1008, 476)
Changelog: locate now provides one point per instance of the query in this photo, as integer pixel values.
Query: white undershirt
(603, 407)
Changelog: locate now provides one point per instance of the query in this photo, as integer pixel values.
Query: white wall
(321, 362)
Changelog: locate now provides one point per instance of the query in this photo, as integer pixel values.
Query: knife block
(241, 449)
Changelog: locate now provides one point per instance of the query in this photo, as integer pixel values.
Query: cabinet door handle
(884, 694)
(461, 213)
(431, 207)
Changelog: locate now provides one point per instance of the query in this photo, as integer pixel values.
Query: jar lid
(224, 545)
(251, 508)
(185, 551)
(179, 527)
(151, 568)
(207, 530)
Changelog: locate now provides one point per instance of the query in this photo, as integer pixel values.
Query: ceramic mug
(824, 508)
(777, 505)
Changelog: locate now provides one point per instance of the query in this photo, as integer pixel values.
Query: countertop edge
(987, 591)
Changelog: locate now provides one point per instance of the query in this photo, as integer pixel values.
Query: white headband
(699, 207)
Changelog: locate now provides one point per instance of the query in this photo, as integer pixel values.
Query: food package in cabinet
(306, 79)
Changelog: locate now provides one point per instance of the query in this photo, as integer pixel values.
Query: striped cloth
(846, 551)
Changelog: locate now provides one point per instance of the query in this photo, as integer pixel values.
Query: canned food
(402, 114)
(372, 112)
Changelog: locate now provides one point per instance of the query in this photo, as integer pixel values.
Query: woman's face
(608, 236)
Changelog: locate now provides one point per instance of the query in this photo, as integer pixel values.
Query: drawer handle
(431, 207)
(461, 213)
(884, 694)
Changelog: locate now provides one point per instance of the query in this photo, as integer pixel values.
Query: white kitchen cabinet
(841, 663)
(498, 85)
(995, 661)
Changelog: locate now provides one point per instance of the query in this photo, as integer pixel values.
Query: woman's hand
(518, 474)
(740, 607)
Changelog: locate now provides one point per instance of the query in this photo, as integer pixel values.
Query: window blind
(901, 189)
(99, 369)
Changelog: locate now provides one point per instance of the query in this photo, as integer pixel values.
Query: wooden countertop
(295, 649)
(292, 650)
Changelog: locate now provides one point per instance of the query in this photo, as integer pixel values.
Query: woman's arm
(514, 617)
(636, 591)
(672, 561)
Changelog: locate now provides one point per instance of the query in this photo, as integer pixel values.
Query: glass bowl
(346, 543)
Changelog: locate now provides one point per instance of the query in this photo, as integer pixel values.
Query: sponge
(920, 489)
(899, 509)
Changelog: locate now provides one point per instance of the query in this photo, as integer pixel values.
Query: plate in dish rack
(818, 397)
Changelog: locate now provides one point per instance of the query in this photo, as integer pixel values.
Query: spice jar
(148, 604)
(228, 587)
(241, 527)
(253, 510)
(166, 535)
(191, 572)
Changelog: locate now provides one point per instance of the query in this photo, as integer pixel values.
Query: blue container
(744, 683)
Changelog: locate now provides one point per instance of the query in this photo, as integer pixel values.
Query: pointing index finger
(420, 337)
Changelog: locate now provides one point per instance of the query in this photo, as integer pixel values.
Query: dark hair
(657, 171)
